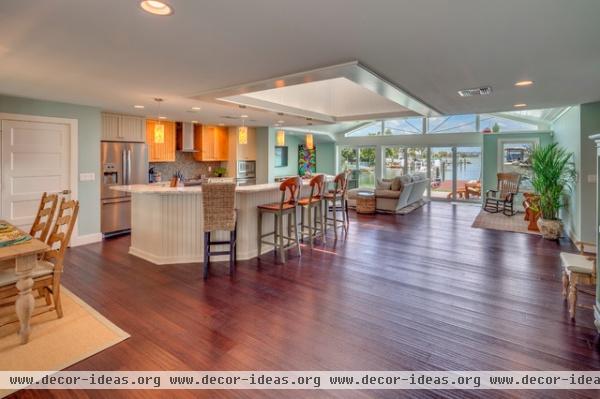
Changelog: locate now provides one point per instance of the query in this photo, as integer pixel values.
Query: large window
(403, 126)
(361, 162)
(497, 124)
(452, 124)
(393, 162)
(441, 172)
(468, 173)
(366, 167)
(371, 129)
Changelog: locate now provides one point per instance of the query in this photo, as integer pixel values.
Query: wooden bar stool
(313, 203)
(289, 188)
(336, 201)
(218, 204)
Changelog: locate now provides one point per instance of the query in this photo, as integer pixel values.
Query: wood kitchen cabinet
(117, 127)
(212, 143)
(161, 152)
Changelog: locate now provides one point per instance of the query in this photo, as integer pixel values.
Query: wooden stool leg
(326, 202)
(302, 223)
(231, 252)
(281, 246)
(323, 222)
(565, 283)
(206, 254)
(259, 232)
(294, 217)
(335, 219)
(310, 224)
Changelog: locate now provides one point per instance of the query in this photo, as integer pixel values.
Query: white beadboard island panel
(166, 222)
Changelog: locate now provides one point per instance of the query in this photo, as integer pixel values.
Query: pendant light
(243, 131)
(280, 138)
(159, 128)
(309, 141)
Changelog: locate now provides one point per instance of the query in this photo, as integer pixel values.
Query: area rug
(498, 221)
(55, 343)
(412, 207)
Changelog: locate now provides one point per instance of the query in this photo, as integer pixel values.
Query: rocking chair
(502, 199)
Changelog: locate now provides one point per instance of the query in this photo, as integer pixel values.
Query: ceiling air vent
(478, 91)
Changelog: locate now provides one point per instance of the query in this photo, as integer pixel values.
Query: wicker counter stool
(313, 203)
(218, 204)
(336, 201)
(290, 191)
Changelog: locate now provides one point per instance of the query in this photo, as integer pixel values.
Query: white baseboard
(86, 239)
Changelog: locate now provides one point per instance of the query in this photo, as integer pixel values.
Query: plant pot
(550, 229)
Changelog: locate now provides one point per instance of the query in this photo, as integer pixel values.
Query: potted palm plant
(553, 173)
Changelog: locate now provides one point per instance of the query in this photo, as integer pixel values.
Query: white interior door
(35, 158)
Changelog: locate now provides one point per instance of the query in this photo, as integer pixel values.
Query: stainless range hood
(185, 137)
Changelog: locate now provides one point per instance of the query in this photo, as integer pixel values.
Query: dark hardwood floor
(423, 291)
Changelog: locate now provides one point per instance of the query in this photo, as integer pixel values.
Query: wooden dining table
(23, 258)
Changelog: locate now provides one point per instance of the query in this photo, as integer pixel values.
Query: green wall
(590, 124)
(490, 153)
(326, 158)
(292, 143)
(567, 133)
(89, 125)
(572, 131)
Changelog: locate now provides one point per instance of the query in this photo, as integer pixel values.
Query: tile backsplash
(185, 163)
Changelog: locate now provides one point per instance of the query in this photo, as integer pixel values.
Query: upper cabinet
(116, 127)
(161, 152)
(212, 143)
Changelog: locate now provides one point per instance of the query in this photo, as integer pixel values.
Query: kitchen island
(166, 222)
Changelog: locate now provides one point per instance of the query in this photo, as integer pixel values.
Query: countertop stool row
(315, 217)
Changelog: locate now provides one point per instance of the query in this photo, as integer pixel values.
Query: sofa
(392, 195)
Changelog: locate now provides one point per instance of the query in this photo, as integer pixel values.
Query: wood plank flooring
(423, 291)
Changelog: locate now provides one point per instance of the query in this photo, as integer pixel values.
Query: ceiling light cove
(156, 7)
(330, 94)
(523, 83)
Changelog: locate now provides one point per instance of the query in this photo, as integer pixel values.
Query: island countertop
(165, 189)
(167, 222)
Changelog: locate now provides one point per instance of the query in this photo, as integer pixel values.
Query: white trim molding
(86, 239)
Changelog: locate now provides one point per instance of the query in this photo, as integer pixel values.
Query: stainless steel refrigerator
(122, 164)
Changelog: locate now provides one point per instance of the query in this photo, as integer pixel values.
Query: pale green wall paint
(292, 143)
(263, 158)
(567, 133)
(326, 158)
(89, 124)
(572, 131)
(490, 153)
(590, 124)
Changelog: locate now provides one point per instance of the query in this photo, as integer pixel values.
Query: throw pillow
(384, 184)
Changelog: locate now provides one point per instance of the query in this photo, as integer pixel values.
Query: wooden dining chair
(46, 274)
(45, 215)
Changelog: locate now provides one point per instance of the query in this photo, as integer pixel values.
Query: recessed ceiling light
(194, 121)
(281, 122)
(196, 108)
(243, 116)
(221, 124)
(156, 7)
(162, 117)
(521, 105)
(138, 106)
(522, 83)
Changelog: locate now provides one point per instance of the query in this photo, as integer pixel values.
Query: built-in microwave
(246, 169)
